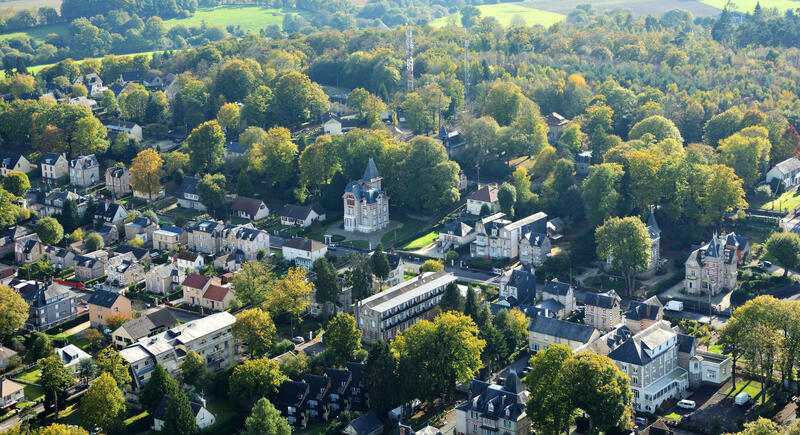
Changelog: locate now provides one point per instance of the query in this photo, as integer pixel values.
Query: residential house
(9, 237)
(366, 206)
(109, 233)
(318, 390)
(641, 315)
(6, 276)
(152, 80)
(14, 162)
(194, 287)
(243, 239)
(301, 215)
(169, 238)
(396, 270)
(93, 83)
(555, 126)
(11, 393)
(189, 196)
(60, 258)
(217, 297)
(87, 102)
(787, 172)
(544, 331)
(104, 304)
(534, 247)
(110, 212)
(84, 171)
(230, 262)
(518, 287)
(142, 228)
(336, 126)
(55, 199)
(486, 229)
(383, 315)
(209, 336)
(28, 249)
(131, 76)
(367, 424)
(712, 268)
(602, 310)
(50, 304)
(499, 238)
(655, 241)
(462, 181)
(494, 408)
(356, 395)
(123, 270)
(145, 326)
(54, 167)
(452, 140)
(486, 195)
(117, 126)
(303, 251)
(561, 294)
(204, 236)
(90, 266)
(703, 367)
(455, 234)
(6, 355)
(163, 279)
(291, 401)
(139, 254)
(118, 180)
(233, 150)
(203, 418)
(187, 260)
(72, 355)
(249, 208)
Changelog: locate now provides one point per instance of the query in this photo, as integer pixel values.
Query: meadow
(251, 18)
(505, 12)
(29, 4)
(36, 33)
(748, 5)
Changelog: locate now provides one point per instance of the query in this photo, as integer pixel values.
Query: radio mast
(410, 56)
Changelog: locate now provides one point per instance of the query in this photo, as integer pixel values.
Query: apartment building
(142, 228)
(212, 237)
(603, 310)
(494, 409)
(712, 268)
(118, 180)
(500, 238)
(544, 331)
(54, 166)
(49, 304)
(84, 171)
(148, 325)
(104, 304)
(385, 314)
(169, 238)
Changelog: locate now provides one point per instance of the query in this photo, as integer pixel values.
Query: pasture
(36, 33)
(251, 18)
(638, 7)
(505, 13)
(744, 6)
(29, 4)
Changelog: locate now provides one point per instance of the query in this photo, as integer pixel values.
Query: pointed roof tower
(652, 224)
(713, 247)
(371, 173)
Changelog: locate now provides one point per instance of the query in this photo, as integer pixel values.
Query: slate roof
(195, 281)
(685, 343)
(50, 158)
(161, 411)
(296, 211)
(555, 119)
(150, 76)
(172, 229)
(117, 171)
(648, 309)
(394, 260)
(107, 210)
(633, 350)
(456, 228)
(234, 148)
(247, 205)
(561, 328)
(117, 89)
(304, 244)
(494, 401)
(789, 165)
(525, 283)
(605, 300)
(143, 326)
(85, 261)
(535, 239)
(121, 124)
(104, 298)
(71, 354)
(9, 159)
(138, 253)
(189, 185)
(652, 224)
(84, 162)
(132, 76)
(484, 194)
(556, 287)
(367, 424)
(292, 393)
(371, 171)
(44, 294)
(243, 232)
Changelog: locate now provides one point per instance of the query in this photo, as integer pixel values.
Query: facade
(217, 297)
(188, 196)
(60, 258)
(146, 326)
(454, 234)
(544, 331)
(486, 195)
(118, 126)
(110, 212)
(704, 367)
(712, 268)
(14, 162)
(169, 238)
(558, 297)
(583, 161)
(84, 171)
(54, 167)
(655, 241)
(500, 238)
(163, 279)
(301, 215)
(72, 356)
(642, 315)
(123, 270)
(383, 315)
(91, 265)
(50, 304)
(54, 202)
(366, 206)
(534, 248)
(118, 180)
(304, 252)
(187, 260)
(555, 126)
(603, 310)
(249, 208)
(494, 409)
(396, 270)
(787, 172)
(142, 228)
(11, 393)
(194, 287)
(28, 249)
(487, 229)
(109, 233)
(212, 237)
(104, 304)
(518, 287)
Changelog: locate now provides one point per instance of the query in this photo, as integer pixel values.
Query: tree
(179, 418)
(193, 369)
(114, 321)
(146, 170)
(86, 369)
(49, 230)
(255, 328)
(258, 108)
(157, 109)
(229, 116)
(503, 101)
(359, 275)
(600, 192)
(236, 79)
(42, 347)
(626, 242)
(94, 337)
(16, 183)
(722, 125)
(253, 282)
(380, 263)
(61, 429)
(507, 196)
(436, 176)
(418, 117)
(212, 191)
(380, 376)
(133, 103)
(111, 362)
(55, 379)
(13, 312)
(723, 192)
(159, 384)
(206, 147)
(93, 242)
(343, 338)
(471, 302)
(601, 390)
(452, 299)
(103, 404)
(69, 218)
(76, 236)
(659, 127)
(481, 137)
(274, 157)
(326, 282)
(8, 213)
(254, 379)
(175, 163)
(470, 15)
(89, 137)
(550, 405)
(785, 247)
(290, 294)
(431, 266)
(295, 367)
(545, 162)
(264, 419)
(297, 98)
(747, 152)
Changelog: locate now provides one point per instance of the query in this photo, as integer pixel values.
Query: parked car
(765, 264)
(298, 340)
(687, 404)
(741, 399)
(641, 421)
(674, 306)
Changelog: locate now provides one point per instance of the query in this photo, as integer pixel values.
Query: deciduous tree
(55, 379)
(343, 338)
(626, 242)
(206, 146)
(264, 419)
(255, 328)
(179, 418)
(159, 384)
(431, 266)
(13, 311)
(785, 247)
(49, 230)
(111, 362)
(16, 183)
(254, 379)
(146, 170)
(253, 282)
(274, 158)
(103, 405)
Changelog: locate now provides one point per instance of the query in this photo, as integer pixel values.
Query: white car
(687, 404)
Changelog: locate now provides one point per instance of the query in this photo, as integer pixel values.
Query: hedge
(55, 330)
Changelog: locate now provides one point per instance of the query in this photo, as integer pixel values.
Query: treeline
(767, 27)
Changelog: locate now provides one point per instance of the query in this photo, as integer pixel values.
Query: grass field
(753, 388)
(33, 393)
(249, 17)
(748, 5)
(717, 348)
(422, 241)
(36, 33)
(787, 201)
(31, 376)
(30, 4)
(505, 12)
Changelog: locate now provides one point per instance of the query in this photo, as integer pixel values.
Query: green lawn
(717, 348)
(673, 416)
(421, 241)
(33, 393)
(753, 388)
(76, 339)
(407, 227)
(361, 244)
(251, 18)
(36, 68)
(787, 201)
(505, 12)
(36, 33)
(31, 376)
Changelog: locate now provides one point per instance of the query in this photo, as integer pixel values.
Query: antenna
(410, 56)
(466, 65)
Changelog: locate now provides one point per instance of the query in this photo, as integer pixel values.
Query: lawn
(31, 376)
(36, 33)
(753, 388)
(226, 415)
(251, 18)
(360, 244)
(36, 68)
(787, 201)
(33, 393)
(505, 12)
(421, 241)
(717, 348)
(408, 227)
(76, 339)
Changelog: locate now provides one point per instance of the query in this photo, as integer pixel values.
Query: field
(36, 68)
(505, 12)
(29, 4)
(748, 5)
(787, 201)
(248, 17)
(37, 33)
(638, 7)
(421, 241)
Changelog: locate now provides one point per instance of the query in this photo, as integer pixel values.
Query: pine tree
(244, 186)
(69, 216)
(326, 282)
(159, 384)
(179, 417)
(380, 263)
(471, 304)
(452, 299)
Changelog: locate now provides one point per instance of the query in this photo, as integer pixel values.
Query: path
(76, 329)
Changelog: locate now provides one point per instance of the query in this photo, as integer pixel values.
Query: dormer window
(508, 412)
(491, 407)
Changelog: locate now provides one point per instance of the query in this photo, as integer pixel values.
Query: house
(118, 180)
(249, 208)
(60, 258)
(486, 229)
(110, 212)
(318, 390)
(28, 249)
(50, 304)
(93, 83)
(544, 331)
(209, 336)
(169, 238)
(493, 407)
(109, 233)
(534, 247)
(500, 238)
(11, 393)
(55, 199)
(139, 254)
(218, 298)
(72, 355)
(383, 315)
(335, 125)
(188, 195)
(602, 310)
(242, 239)
(117, 89)
(301, 215)
(230, 262)
(452, 140)
(118, 126)
(233, 150)
(142, 228)
(657, 428)
(204, 236)
(582, 163)
(555, 126)
(356, 395)
(712, 268)
(563, 296)
(518, 287)
(367, 424)
(135, 76)
(6, 355)
(54, 167)
(91, 265)
(187, 260)
(163, 279)
(396, 270)
(202, 416)
(14, 162)
(787, 172)
(655, 241)
(366, 206)
(462, 181)
(84, 171)
(146, 326)
(194, 287)
(641, 315)
(83, 101)
(123, 270)
(152, 80)
(291, 401)
(104, 304)
(303, 251)
(486, 195)
(9, 237)
(703, 367)
(454, 234)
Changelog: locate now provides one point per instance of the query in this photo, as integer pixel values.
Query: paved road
(14, 420)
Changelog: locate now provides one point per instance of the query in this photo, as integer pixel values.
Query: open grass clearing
(29, 4)
(31, 376)
(747, 6)
(751, 387)
(505, 13)
(250, 18)
(422, 241)
(33, 393)
(717, 348)
(36, 33)
(787, 201)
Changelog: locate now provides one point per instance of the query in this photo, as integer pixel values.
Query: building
(383, 315)
(104, 304)
(72, 356)
(499, 238)
(118, 126)
(712, 268)
(249, 208)
(194, 287)
(366, 206)
(163, 279)
(396, 270)
(291, 401)
(555, 126)
(83, 101)
(454, 234)
(50, 304)
(203, 236)
(84, 171)
(544, 331)
(518, 287)
(202, 416)
(303, 251)
(139, 254)
(655, 241)
(704, 367)
(123, 270)
(217, 297)
(642, 315)
(486, 195)
(9, 237)
(11, 393)
(90, 266)
(146, 326)
(110, 212)
(169, 238)
(6, 355)
(558, 297)
(603, 310)
(301, 215)
(209, 336)
(212, 237)
(233, 150)
(494, 409)
(534, 247)
(336, 126)
(118, 180)
(787, 172)
(54, 167)
(142, 228)
(14, 162)
(582, 163)
(60, 258)
(135, 76)
(485, 229)
(367, 424)
(452, 140)
(152, 80)
(187, 260)
(28, 249)
(55, 199)
(188, 195)
(109, 233)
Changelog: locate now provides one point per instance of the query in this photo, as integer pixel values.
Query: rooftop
(408, 290)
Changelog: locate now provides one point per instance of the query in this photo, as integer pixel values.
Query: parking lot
(711, 402)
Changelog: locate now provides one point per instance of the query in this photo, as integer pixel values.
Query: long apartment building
(209, 336)
(383, 315)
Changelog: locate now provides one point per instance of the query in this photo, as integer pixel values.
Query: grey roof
(132, 76)
(685, 343)
(633, 350)
(45, 294)
(550, 305)
(652, 224)
(484, 194)
(104, 298)
(141, 222)
(361, 190)
(172, 229)
(555, 119)
(525, 283)
(161, 411)
(304, 244)
(145, 325)
(234, 148)
(789, 165)
(366, 424)
(117, 171)
(494, 401)
(456, 228)
(108, 210)
(371, 172)
(244, 232)
(648, 309)
(247, 205)
(556, 287)
(9, 159)
(535, 239)
(394, 260)
(138, 253)
(291, 393)
(296, 211)
(84, 162)
(561, 328)
(51, 158)
(121, 123)
(602, 300)
(408, 290)
(189, 185)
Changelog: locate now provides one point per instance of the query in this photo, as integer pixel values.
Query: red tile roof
(216, 292)
(195, 281)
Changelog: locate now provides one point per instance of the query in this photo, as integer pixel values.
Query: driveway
(712, 402)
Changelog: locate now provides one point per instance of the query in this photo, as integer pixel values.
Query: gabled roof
(484, 194)
(605, 300)
(247, 205)
(9, 159)
(84, 162)
(652, 224)
(789, 165)
(71, 354)
(121, 124)
(556, 287)
(195, 281)
(104, 298)
(189, 185)
(187, 256)
(296, 211)
(161, 411)
(138, 253)
(686, 343)
(117, 171)
(108, 210)
(234, 148)
(304, 244)
(9, 387)
(554, 119)
(52, 158)
(366, 424)
(456, 228)
(648, 309)
(143, 326)
(561, 328)
(216, 293)
(132, 76)
(292, 393)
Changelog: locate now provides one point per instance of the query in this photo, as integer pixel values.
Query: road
(14, 419)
